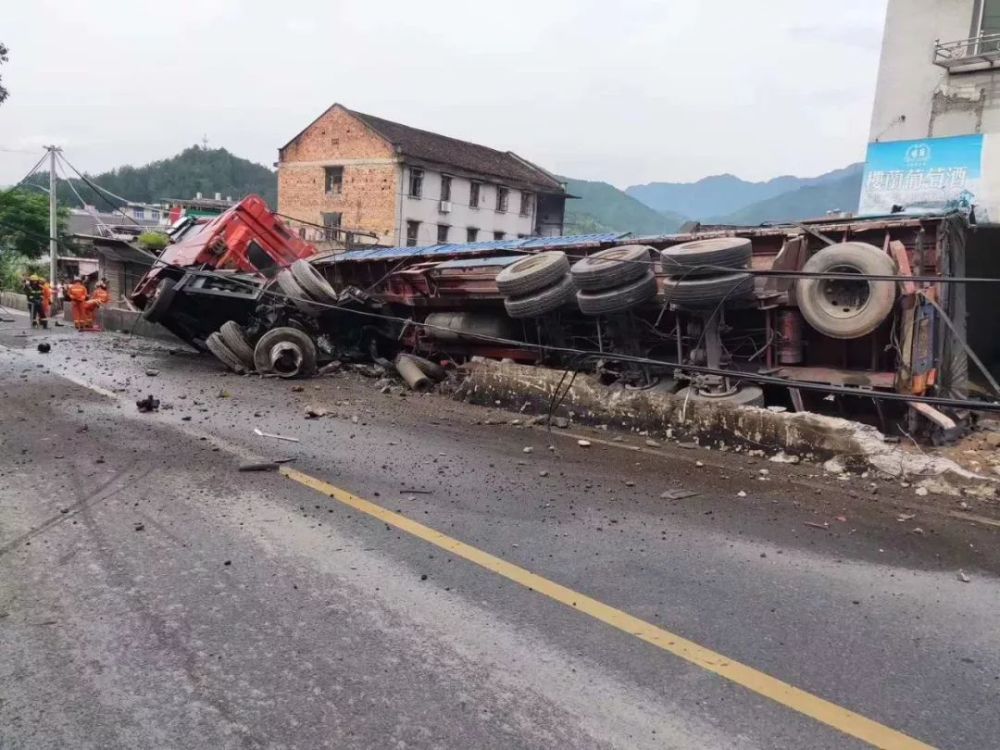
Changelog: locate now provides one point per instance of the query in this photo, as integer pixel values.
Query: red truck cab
(242, 248)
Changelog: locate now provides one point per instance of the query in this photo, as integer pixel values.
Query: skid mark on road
(823, 711)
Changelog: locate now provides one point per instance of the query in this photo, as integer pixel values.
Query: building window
(443, 233)
(333, 180)
(154, 215)
(138, 212)
(503, 198)
(416, 183)
(412, 227)
(988, 20)
(445, 187)
(499, 235)
(471, 234)
(526, 203)
(331, 222)
(474, 195)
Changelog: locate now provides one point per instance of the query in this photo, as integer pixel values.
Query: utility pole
(53, 219)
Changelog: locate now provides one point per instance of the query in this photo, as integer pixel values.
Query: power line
(97, 189)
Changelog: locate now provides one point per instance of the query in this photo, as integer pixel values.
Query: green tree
(3, 58)
(24, 223)
(153, 241)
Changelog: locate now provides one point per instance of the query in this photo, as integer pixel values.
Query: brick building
(412, 187)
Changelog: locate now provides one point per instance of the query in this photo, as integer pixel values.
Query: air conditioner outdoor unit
(444, 207)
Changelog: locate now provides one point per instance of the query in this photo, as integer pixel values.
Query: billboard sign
(932, 174)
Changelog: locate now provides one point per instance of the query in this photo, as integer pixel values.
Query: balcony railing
(975, 53)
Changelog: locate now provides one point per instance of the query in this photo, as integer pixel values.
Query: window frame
(446, 188)
(411, 241)
(527, 203)
(332, 220)
(475, 193)
(337, 173)
(472, 234)
(503, 199)
(447, 228)
(415, 187)
(499, 236)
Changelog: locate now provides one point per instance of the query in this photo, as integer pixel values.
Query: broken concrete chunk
(834, 466)
(784, 458)
(583, 443)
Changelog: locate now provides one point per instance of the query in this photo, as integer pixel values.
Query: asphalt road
(153, 596)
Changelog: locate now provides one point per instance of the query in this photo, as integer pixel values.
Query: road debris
(152, 373)
(812, 524)
(148, 404)
(261, 433)
(315, 412)
(903, 517)
(741, 493)
(583, 443)
(44, 348)
(784, 458)
(259, 466)
(677, 494)
(963, 577)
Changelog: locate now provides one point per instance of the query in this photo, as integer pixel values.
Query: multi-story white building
(935, 129)
(352, 171)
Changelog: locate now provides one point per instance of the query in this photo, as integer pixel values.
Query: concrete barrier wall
(14, 301)
(130, 321)
(660, 413)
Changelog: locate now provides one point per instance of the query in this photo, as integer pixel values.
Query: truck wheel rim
(844, 298)
(286, 359)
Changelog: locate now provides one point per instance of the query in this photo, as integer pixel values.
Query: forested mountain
(721, 195)
(601, 207)
(194, 170)
(808, 202)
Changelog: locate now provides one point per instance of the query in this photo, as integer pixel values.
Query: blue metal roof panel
(476, 248)
(501, 260)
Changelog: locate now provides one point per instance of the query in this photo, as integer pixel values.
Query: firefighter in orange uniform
(78, 297)
(47, 299)
(100, 297)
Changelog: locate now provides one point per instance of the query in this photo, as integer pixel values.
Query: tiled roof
(440, 149)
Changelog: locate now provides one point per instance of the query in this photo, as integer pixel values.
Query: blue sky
(628, 92)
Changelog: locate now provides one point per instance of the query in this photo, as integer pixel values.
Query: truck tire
(296, 294)
(532, 273)
(747, 395)
(609, 301)
(218, 347)
(699, 293)
(235, 339)
(845, 309)
(285, 352)
(691, 258)
(313, 283)
(612, 268)
(542, 301)
(161, 302)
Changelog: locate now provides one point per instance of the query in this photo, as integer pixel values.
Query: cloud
(631, 91)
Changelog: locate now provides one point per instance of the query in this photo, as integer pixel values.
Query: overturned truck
(807, 316)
